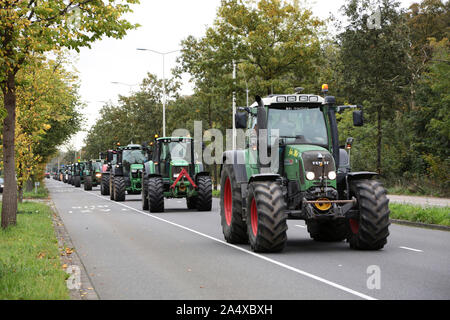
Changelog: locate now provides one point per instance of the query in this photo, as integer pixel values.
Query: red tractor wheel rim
(354, 225)
(228, 201)
(254, 217)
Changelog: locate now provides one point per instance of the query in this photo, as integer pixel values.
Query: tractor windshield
(133, 156)
(97, 166)
(299, 125)
(176, 150)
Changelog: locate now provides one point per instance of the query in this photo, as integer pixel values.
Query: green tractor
(92, 174)
(78, 174)
(172, 172)
(311, 181)
(126, 171)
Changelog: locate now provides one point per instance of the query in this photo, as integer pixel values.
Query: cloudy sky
(163, 25)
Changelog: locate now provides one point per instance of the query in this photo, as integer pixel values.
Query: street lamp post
(164, 83)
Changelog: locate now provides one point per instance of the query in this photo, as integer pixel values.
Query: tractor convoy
(308, 176)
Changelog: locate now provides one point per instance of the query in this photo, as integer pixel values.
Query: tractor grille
(311, 162)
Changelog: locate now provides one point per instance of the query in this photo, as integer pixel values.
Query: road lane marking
(411, 249)
(299, 225)
(280, 264)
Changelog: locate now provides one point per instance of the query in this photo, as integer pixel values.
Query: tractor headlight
(98, 175)
(310, 175)
(134, 170)
(175, 175)
(332, 175)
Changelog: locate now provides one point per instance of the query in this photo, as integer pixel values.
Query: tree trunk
(9, 204)
(379, 136)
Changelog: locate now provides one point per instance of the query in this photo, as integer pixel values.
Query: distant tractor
(312, 180)
(109, 159)
(172, 172)
(78, 174)
(92, 174)
(126, 172)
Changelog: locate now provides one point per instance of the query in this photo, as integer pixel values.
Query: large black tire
(77, 181)
(111, 187)
(144, 194)
(156, 194)
(88, 183)
(334, 230)
(204, 197)
(266, 217)
(233, 226)
(104, 185)
(119, 188)
(191, 203)
(370, 232)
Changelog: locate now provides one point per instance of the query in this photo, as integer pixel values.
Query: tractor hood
(136, 166)
(311, 158)
(179, 162)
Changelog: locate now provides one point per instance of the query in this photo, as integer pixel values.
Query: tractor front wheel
(88, 183)
(144, 194)
(371, 230)
(77, 181)
(156, 194)
(111, 187)
(104, 185)
(233, 226)
(204, 197)
(119, 188)
(266, 219)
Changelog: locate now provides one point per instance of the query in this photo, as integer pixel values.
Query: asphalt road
(180, 254)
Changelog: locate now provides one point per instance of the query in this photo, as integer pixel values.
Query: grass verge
(30, 266)
(42, 193)
(430, 215)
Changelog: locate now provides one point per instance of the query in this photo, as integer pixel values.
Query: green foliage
(430, 215)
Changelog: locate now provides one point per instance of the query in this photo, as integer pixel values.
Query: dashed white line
(300, 226)
(304, 273)
(411, 249)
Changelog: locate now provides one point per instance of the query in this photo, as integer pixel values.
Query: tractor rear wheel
(155, 194)
(77, 181)
(266, 219)
(119, 188)
(111, 187)
(335, 230)
(104, 185)
(233, 226)
(144, 194)
(88, 183)
(191, 203)
(204, 197)
(371, 230)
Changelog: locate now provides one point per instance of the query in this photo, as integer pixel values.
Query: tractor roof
(173, 138)
(286, 99)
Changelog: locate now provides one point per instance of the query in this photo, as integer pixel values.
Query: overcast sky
(164, 23)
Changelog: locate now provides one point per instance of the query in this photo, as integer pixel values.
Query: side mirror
(358, 119)
(241, 120)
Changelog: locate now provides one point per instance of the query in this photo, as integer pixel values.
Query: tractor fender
(264, 177)
(149, 169)
(357, 175)
(117, 170)
(236, 158)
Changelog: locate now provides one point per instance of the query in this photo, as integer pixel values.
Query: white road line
(304, 273)
(299, 225)
(412, 249)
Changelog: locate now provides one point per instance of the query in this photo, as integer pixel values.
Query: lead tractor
(311, 181)
(126, 171)
(172, 172)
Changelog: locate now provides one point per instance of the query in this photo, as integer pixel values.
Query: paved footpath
(180, 254)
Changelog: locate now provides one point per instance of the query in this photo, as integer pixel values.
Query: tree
(372, 61)
(28, 27)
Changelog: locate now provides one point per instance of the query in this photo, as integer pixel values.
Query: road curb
(87, 290)
(420, 225)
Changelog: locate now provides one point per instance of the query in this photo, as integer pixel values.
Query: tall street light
(164, 83)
